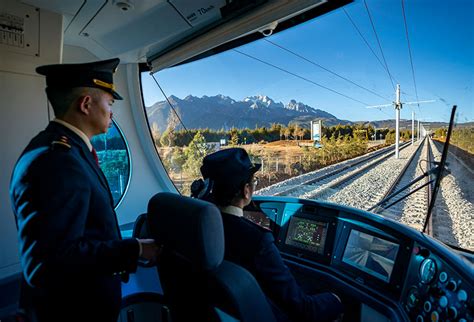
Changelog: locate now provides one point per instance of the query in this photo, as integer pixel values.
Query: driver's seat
(197, 283)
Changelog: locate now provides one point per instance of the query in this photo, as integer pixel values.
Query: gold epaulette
(62, 142)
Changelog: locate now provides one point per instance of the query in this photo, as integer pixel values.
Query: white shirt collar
(233, 210)
(81, 134)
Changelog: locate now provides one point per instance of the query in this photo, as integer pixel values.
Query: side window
(114, 160)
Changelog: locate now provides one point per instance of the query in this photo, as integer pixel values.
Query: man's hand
(149, 249)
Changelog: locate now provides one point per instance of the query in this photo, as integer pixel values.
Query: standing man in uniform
(72, 254)
(231, 175)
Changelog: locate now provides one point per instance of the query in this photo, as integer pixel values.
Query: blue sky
(441, 36)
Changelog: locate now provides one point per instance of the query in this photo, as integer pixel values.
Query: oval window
(114, 160)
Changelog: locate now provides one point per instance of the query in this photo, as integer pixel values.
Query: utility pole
(398, 106)
(412, 127)
(418, 132)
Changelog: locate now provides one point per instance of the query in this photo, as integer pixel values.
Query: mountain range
(222, 112)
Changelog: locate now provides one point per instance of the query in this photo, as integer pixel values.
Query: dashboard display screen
(307, 234)
(371, 254)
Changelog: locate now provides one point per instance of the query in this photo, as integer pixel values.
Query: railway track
(410, 206)
(313, 184)
(364, 182)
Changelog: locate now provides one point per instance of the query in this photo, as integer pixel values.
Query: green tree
(166, 138)
(296, 132)
(194, 153)
(155, 133)
(178, 159)
(440, 133)
(234, 137)
(170, 134)
(390, 137)
(287, 133)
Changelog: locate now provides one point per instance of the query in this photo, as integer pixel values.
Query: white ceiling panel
(121, 32)
(68, 7)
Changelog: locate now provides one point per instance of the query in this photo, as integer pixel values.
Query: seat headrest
(190, 228)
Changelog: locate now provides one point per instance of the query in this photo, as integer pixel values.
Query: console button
(434, 316)
(412, 298)
(427, 306)
(462, 295)
(443, 301)
(443, 277)
(452, 285)
(452, 312)
(424, 252)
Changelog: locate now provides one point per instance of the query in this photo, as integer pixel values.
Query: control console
(434, 291)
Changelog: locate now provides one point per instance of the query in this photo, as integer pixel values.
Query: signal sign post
(316, 131)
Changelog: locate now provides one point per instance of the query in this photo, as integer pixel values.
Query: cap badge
(103, 84)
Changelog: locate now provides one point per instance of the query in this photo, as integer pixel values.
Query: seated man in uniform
(230, 173)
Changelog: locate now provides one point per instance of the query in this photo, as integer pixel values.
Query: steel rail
(379, 206)
(313, 180)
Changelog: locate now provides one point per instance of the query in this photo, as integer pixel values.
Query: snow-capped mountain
(217, 112)
(262, 101)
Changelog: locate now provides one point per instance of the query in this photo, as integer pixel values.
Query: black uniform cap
(97, 74)
(230, 166)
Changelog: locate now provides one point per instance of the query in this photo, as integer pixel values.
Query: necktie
(94, 154)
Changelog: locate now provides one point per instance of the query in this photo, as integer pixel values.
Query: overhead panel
(199, 12)
(167, 32)
(120, 32)
(263, 17)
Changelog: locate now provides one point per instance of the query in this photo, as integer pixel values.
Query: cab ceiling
(129, 29)
(144, 30)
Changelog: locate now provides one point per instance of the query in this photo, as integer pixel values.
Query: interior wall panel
(24, 110)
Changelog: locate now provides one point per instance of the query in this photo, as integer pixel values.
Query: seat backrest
(195, 278)
(140, 227)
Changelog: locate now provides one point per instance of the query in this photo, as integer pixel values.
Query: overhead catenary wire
(299, 76)
(366, 42)
(409, 52)
(390, 116)
(379, 44)
(407, 94)
(326, 69)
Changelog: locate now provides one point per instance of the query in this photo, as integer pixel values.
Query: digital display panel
(371, 254)
(307, 234)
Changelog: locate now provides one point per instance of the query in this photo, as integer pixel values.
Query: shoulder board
(61, 143)
(261, 228)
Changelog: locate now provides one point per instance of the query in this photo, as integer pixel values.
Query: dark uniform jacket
(253, 248)
(71, 250)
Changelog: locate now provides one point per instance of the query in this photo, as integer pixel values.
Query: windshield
(317, 106)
